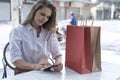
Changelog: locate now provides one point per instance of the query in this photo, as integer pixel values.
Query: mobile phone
(50, 68)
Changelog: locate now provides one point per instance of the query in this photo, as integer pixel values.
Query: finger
(58, 68)
(44, 63)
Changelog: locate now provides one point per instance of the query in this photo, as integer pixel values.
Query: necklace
(37, 28)
(38, 31)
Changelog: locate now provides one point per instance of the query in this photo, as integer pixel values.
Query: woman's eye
(42, 14)
(48, 17)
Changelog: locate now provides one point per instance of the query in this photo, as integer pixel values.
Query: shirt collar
(29, 27)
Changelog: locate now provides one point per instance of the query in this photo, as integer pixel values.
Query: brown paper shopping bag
(83, 53)
(96, 48)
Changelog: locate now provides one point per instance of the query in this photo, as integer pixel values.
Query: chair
(6, 61)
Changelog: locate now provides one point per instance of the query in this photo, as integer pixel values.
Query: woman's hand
(58, 66)
(42, 65)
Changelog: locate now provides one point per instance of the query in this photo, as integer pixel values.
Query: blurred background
(99, 9)
(106, 14)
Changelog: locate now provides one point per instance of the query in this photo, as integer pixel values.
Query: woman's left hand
(58, 66)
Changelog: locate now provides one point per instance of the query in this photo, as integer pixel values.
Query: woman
(33, 41)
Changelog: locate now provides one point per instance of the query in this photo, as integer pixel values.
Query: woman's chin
(40, 24)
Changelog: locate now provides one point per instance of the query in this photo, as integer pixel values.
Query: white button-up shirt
(25, 45)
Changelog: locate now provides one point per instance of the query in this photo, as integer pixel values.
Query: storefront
(5, 13)
(108, 9)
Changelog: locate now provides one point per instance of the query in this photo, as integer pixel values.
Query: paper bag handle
(84, 22)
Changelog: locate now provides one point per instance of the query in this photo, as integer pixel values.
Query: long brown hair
(51, 23)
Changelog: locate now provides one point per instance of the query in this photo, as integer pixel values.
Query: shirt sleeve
(15, 39)
(54, 46)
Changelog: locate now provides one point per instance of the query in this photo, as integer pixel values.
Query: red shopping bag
(78, 49)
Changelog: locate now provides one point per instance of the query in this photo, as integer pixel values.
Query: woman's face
(42, 16)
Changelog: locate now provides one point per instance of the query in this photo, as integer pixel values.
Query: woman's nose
(44, 18)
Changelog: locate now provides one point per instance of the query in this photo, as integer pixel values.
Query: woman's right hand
(42, 65)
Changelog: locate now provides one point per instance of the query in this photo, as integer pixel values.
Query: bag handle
(84, 21)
